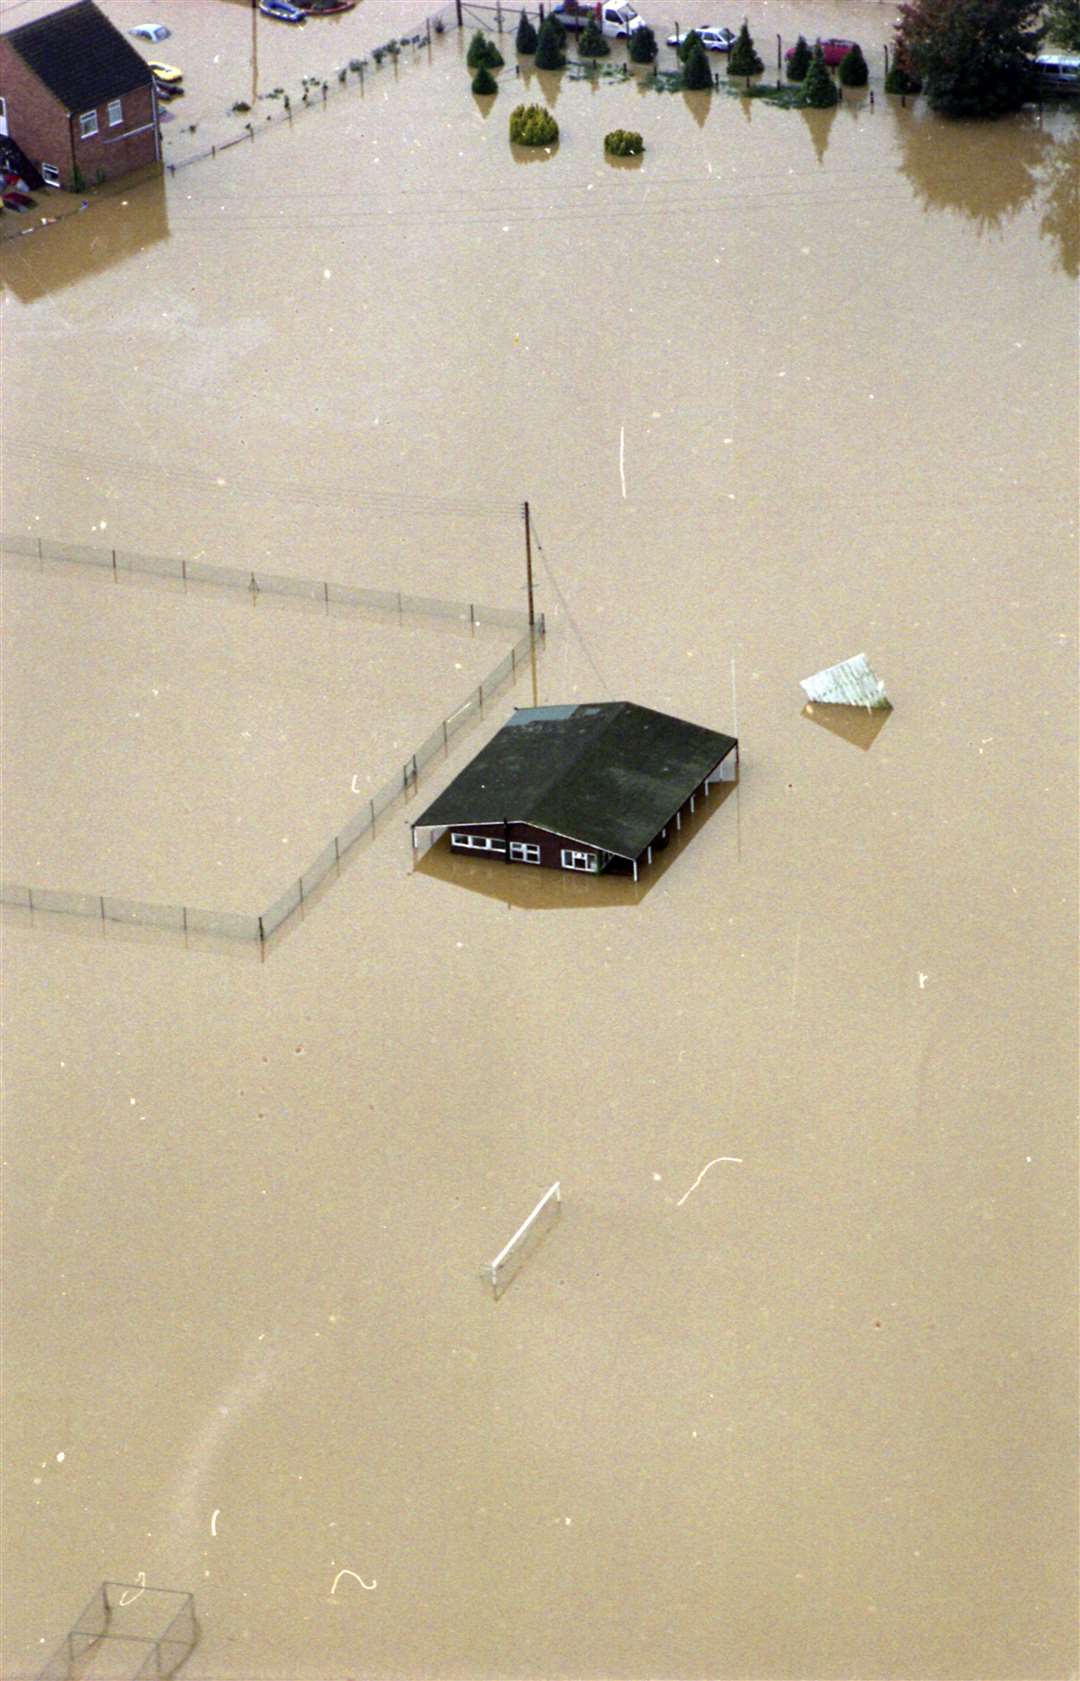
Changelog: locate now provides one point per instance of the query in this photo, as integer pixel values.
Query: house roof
(610, 774)
(80, 56)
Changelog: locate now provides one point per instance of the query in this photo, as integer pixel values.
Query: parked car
(19, 202)
(281, 10)
(616, 20)
(714, 38)
(1057, 72)
(151, 31)
(167, 74)
(834, 50)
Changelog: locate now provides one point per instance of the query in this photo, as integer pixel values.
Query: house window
(116, 112)
(572, 860)
(477, 843)
(524, 852)
(50, 174)
(87, 124)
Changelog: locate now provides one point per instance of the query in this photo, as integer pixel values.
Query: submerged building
(592, 787)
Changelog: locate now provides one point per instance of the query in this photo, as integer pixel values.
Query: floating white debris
(851, 683)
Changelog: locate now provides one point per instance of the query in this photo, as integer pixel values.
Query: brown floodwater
(799, 386)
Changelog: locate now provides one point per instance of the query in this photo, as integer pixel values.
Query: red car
(834, 50)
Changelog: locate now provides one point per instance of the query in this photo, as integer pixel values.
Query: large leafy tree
(970, 55)
(1063, 23)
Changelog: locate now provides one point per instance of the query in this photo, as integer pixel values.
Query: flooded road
(802, 385)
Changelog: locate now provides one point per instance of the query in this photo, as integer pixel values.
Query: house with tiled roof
(77, 98)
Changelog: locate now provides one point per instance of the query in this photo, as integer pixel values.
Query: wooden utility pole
(528, 567)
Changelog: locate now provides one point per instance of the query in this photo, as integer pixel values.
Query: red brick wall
(113, 151)
(36, 120)
(39, 124)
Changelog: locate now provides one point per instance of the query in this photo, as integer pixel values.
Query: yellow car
(167, 73)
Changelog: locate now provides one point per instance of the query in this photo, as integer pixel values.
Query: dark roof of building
(609, 775)
(80, 56)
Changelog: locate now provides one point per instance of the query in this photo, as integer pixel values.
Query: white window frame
(49, 174)
(524, 852)
(574, 858)
(117, 106)
(476, 843)
(87, 117)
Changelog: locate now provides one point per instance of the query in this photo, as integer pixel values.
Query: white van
(1057, 72)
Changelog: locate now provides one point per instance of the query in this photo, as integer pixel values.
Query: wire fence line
(317, 92)
(254, 581)
(240, 925)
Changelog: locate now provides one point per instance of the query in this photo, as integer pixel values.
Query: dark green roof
(610, 775)
(80, 56)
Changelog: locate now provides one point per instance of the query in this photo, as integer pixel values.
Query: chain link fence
(239, 925)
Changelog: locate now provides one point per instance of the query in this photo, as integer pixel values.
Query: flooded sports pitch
(787, 1391)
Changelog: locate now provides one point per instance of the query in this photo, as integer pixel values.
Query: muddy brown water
(814, 1419)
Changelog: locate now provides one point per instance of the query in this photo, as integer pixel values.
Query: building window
(116, 112)
(87, 124)
(477, 843)
(524, 852)
(572, 860)
(50, 174)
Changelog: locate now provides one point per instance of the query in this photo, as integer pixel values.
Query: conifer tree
(743, 59)
(525, 40)
(696, 72)
(686, 45)
(478, 51)
(592, 42)
(799, 62)
(484, 81)
(819, 90)
(853, 71)
(642, 45)
(549, 53)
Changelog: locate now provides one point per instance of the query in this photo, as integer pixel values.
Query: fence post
(101, 901)
(472, 615)
(445, 736)
(337, 852)
(30, 898)
(498, 16)
(371, 803)
(460, 19)
(262, 936)
(39, 553)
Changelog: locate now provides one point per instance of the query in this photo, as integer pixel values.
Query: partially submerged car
(615, 20)
(281, 10)
(167, 74)
(152, 31)
(714, 38)
(834, 50)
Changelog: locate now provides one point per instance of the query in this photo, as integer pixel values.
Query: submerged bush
(624, 143)
(549, 46)
(743, 59)
(900, 80)
(696, 72)
(799, 62)
(525, 40)
(484, 81)
(853, 71)
(592, 42)
(819, 90)
(687, 44)
(533, 125)
(482, 51)
(642, 45)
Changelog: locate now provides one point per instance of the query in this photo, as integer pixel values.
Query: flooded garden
(789, 386)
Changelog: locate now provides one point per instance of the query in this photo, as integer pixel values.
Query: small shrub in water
(819, 90)
(642, 45)
(484, 81)
(624, 143)
(900, 80)
(525, 40)
(853, 71)
(549, 52)
(799, 62)
(697, 75)
(478, 51)
(743, 59)
(240, 105)
(591, 42)
(533, 125)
